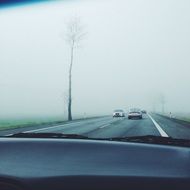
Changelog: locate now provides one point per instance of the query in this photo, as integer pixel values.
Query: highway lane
(78, 127)
(79, 123)
(106, 127)
(125, 127)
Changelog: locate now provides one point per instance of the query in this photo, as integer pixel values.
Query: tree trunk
(163, 106)
(70, 86)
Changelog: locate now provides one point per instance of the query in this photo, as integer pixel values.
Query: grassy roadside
(183, 117)
(6, 124)
(18, 123)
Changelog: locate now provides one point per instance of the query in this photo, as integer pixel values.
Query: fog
(134, 52)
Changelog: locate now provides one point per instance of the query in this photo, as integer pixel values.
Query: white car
(118, 113)
(135, 113)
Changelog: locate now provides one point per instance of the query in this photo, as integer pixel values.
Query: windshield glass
(118, 111)
(135, 110)
(66, 65)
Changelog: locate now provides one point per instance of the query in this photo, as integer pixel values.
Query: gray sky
(134, 51)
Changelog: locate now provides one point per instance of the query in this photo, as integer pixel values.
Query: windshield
(135, 110)
(118, 111)
(66, 65)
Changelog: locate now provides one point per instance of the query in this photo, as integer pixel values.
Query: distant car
(135, 113)
(143, 111)
(118, 113)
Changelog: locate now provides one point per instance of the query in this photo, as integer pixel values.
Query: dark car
(135, 113)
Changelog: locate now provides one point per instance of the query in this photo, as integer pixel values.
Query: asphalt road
(104, 127)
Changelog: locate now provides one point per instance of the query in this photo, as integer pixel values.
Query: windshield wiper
(48, 135)
(151, 139)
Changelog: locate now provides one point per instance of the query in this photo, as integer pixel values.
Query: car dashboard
(70, 164)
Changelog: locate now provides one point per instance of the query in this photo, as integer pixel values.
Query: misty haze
(134, 54)
(95, 94)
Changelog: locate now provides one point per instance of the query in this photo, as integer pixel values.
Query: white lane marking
(161, 131)
(52, 127)
(9, 134)
(104, 126)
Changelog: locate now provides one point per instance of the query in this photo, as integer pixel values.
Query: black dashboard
(66, 164)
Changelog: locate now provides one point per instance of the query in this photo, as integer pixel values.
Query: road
(105, 127)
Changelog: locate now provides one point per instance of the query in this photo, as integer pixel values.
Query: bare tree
(162, 102)
(75, 33)
(64, 97)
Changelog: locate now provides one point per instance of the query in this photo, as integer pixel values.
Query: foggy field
(17, 123)
(35, 122)
(141, 54)
(177, 115)
(183, 116)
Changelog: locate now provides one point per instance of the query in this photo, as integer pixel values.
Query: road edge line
(161, 131)
(103, 126)
(51, 127)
